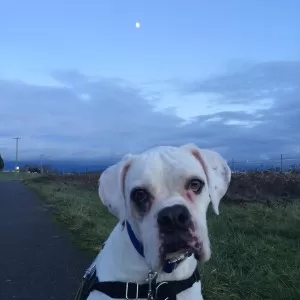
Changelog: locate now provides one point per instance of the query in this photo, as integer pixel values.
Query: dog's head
(164, 193)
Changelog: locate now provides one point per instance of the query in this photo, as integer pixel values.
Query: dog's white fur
(164, 171)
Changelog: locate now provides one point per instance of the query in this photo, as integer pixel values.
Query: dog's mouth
(177, 256)
(178, 248)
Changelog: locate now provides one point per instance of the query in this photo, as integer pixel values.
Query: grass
(256, 248)
(16, 176)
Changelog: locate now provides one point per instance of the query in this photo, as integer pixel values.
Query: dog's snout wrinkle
(172, 218)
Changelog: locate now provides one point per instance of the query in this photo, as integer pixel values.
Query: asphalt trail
(37, 258)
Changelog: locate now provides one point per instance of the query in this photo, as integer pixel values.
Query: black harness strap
(161, 290)
(166, 290)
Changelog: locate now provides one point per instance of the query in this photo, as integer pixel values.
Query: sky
(78, 80)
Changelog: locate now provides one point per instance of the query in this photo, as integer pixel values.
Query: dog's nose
(172, 218)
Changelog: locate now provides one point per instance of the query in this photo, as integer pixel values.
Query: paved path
(37, 259)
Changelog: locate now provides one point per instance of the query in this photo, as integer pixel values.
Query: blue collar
(168, 267)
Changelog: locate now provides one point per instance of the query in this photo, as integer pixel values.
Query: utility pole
(233, 165)
(281, 162)
(17, 152)
(41, 158)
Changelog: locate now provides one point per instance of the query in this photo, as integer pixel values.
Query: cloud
(91, 116)
(273, 89)
(250, 112)
(251, 82)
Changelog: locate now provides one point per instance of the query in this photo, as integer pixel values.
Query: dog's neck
(122, 262)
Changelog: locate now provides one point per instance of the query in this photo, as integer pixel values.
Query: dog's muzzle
(176, 230)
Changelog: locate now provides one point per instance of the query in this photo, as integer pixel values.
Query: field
(255, 239)
(16, 176)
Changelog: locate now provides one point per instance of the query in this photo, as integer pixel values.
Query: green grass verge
(256, 249)
(17, 176)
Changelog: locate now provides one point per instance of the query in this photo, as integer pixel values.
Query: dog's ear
(217, 171)
(111, 187)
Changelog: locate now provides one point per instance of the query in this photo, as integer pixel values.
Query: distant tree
(33, 169)
(1, 163)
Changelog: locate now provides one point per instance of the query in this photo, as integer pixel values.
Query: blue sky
(77, 79)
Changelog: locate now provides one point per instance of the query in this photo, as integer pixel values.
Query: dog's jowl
(160, 197)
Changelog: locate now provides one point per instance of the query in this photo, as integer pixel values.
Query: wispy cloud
(255, 111)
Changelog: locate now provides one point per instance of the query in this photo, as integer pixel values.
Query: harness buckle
(136, 292)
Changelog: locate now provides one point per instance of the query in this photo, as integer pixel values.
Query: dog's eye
(195, 185)
(139, 195)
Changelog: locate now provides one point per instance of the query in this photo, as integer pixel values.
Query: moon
(137, 25)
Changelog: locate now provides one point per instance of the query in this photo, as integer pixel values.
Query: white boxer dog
(161, 198)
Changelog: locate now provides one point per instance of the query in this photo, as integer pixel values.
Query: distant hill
(99, 165)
